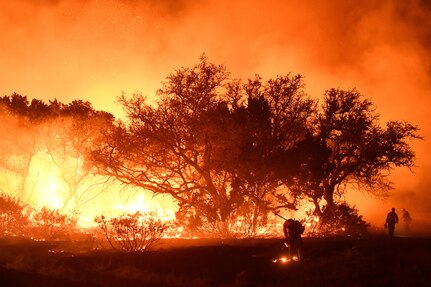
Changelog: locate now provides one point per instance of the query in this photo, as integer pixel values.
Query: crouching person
(293, 230)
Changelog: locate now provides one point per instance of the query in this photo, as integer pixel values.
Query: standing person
(407, 219)
(293, 230)
(391, 220)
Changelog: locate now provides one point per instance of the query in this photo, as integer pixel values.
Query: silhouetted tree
(211, 143)
(168, 147)
(53, 134)
(68, 139)
(227, 150)
(273, 120)
(20, 141)
(357, 150)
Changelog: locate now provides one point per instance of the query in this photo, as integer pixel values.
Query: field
(372, 261)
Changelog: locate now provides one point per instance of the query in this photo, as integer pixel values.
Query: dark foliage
(13, 216)
(343, 220)
(132, 232)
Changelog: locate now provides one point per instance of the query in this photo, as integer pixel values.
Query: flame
(46, 190)
(285, 259)
(46, 186)
(116, 203)
(282, 260)
(143, 202)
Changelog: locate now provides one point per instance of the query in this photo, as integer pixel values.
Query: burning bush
(132, 232)
(343, 220)
(13, 216)
(50, 224)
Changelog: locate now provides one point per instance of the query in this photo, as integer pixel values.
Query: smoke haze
(94, 50)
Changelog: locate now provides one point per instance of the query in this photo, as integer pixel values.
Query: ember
(282, 259)
(285, 259)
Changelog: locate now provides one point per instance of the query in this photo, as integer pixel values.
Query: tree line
(228, 151)
(56, 136)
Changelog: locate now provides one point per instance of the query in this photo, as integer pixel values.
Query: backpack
(297, 227)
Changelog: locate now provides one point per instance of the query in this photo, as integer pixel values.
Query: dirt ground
(372, 261)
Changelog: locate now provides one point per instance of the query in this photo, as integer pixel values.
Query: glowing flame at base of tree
(47, 189)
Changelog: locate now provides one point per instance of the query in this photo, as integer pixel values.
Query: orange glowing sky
(95, 49)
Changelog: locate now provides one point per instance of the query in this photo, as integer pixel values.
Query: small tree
(132, 232)
(363, 152)
(210, 142)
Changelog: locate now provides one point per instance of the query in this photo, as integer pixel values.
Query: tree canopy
(56, 134)
(230, 151)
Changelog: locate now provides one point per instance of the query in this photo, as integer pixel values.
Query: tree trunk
(328, 195)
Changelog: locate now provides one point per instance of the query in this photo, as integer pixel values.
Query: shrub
(343, 220)
(132, 232)
(13, 216)
(51, 224)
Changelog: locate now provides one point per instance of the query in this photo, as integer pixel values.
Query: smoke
(95, 50)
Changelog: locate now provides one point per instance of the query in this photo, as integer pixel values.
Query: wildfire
(143, 202)
(52, 199)
(60, 186)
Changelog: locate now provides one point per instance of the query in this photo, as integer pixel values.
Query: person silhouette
(293, 230)
(407, 219)
(391, 220)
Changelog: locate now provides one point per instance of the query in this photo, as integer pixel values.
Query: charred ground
(372, 261)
